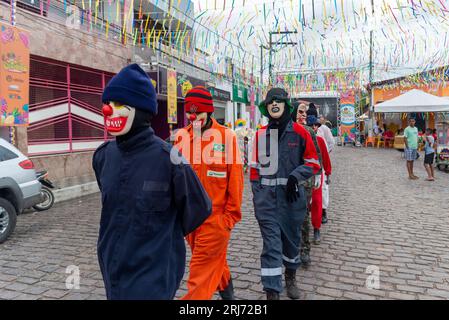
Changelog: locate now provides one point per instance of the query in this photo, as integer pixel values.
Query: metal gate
(65, 107)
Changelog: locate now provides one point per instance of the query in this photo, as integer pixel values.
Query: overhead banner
(14, 76)
(172, 102)
(347, 114)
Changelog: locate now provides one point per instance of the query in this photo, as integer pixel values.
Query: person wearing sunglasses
(284, 158)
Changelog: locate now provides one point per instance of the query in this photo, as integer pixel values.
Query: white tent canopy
(414, 101)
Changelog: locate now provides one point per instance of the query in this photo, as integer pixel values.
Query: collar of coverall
(289, 127)
(137, 141)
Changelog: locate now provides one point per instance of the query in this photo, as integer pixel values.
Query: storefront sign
(220, 95)
(172, 103)
(154, 80)
(184, 83)
(239, 94)
(14, 76)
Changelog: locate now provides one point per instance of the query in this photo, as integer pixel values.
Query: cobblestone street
(378, 218)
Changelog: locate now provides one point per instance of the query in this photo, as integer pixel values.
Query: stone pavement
(380, 223)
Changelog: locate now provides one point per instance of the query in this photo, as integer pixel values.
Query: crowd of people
(156, 195)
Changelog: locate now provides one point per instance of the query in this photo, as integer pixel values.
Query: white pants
(325, 193)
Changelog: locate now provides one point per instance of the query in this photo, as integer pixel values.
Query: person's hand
(292, 186)
(328, 180)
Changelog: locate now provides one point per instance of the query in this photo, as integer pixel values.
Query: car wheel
(8, 219)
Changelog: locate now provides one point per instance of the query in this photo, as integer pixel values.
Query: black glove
(328, 180)
(292, 186)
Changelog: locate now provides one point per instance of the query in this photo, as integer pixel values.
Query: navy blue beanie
(311, 120)
(133, 87)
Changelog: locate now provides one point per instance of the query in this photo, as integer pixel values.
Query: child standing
(430, 154)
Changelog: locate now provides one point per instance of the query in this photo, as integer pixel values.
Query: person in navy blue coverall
(149, 202)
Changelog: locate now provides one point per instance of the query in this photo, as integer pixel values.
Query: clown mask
(276, 109)
(301, 116)
(201, 117)
(118, 118)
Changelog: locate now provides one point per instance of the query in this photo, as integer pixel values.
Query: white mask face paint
(276, 109)
(119, 121)
(202, 117)
(301, 116)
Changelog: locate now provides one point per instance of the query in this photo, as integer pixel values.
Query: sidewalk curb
(77, 191)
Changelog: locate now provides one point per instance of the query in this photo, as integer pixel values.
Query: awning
(414, 101)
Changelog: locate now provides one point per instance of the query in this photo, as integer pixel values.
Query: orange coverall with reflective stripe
(219, 167)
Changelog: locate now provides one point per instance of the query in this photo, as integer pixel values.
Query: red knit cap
(198, 100)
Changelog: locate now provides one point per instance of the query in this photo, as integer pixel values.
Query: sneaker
(316, 236)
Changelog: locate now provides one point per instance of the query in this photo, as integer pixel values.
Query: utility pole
(371, 65)
(271, 44)
(371, 59)
(261, 63)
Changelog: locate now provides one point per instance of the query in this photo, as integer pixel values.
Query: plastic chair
(370, 140)
(380, 142)
(389, 142)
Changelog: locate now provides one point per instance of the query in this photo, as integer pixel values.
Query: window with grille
(35, 6)
(65, 107)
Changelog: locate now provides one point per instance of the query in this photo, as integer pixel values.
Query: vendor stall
(413, 101)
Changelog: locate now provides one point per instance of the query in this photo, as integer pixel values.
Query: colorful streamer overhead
(307, 36)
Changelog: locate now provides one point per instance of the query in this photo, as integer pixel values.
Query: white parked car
(19, 187)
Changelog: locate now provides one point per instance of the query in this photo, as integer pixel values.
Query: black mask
(142, 121)
(280, 123)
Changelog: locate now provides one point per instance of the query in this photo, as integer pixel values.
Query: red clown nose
(107, 110)
(192, 117)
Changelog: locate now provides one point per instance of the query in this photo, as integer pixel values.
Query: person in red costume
(317, 194)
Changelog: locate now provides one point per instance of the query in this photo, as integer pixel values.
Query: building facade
(76, 51)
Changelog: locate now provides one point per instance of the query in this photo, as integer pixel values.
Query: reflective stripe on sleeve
(274, 182)
(271, 272)
(312, 161)
(295, 260)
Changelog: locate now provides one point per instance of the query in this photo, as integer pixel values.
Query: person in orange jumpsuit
(214, 155)
(317, 194)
